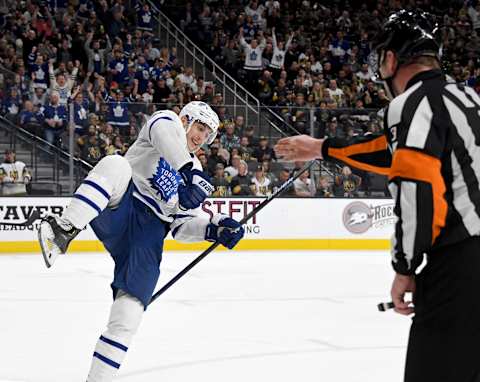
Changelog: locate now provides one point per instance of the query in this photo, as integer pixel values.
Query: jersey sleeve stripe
(87, 201)
(377, 144)
(345, 154)
(415, 165)
(97, 187)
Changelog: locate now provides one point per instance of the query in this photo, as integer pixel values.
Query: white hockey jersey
(13, 178)
(156, 156)
(278, 57)
(253, 57)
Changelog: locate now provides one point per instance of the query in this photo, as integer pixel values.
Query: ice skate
(54, 235)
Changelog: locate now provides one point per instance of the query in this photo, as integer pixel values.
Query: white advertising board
(284, 223)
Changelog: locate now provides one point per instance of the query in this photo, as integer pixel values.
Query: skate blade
(50, 251)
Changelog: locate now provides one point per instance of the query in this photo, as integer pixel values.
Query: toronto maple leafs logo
(165, 180)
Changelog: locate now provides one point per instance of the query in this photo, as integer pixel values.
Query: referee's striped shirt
(430, 151)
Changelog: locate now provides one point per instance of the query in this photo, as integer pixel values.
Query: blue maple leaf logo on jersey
(165, 181)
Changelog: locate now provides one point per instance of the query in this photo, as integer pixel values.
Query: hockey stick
(384, 306)
(35, 215)
(252, 213)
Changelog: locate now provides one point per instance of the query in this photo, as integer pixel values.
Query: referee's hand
(299, 148)
(402, 285)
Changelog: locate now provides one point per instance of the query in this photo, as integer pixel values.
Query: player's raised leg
(105, 185)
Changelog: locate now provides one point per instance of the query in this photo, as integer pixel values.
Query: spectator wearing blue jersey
(145, 19)
(118, 106)
(11, 105)
(81, 108)
(142, 74)
(38, 69)
(118, 67)
(29, 118)
(56, 117)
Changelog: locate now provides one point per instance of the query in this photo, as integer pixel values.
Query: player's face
(197, 135)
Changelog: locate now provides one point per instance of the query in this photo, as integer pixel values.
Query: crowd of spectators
(297, 54)
(102, 60)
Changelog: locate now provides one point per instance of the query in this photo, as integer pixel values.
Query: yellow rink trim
(247, 244)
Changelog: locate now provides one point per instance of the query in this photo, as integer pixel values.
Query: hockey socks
(112, 346)
(90, 199)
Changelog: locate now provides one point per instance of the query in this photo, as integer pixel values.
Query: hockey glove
(225, 230)
(195, 189)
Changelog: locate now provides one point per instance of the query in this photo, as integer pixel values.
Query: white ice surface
(236, 317)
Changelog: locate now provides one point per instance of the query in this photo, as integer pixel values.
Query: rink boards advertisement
(285, 224)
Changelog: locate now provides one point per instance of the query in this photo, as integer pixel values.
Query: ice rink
(237, 316)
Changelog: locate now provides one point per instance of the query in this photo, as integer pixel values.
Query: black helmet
(409, 34)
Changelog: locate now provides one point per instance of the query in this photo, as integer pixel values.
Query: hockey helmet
(197, 111)
(408, 34)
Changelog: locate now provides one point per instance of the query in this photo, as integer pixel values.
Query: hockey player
(131, 203)
(430, 151)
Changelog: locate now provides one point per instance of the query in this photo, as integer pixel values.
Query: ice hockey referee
(430, 151)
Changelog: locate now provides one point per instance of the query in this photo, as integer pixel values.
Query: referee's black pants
(444, 343)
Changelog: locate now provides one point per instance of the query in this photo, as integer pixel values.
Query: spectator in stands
(266, 165)
(92, 151)
(204, 161)
(304, 186)
(246, 152)
(220, 182)
(253, 58)
(118, 106)
(365, 74)
(11, 105)
(283, 176)
(96, 55)
(347, 182)
(240, 184)
(56, 118)
(30, 119)
(325, 188)
(266, 84)
(233, 169)
(214, 158)
(300, 116)
(61, 84)
(14, 176)
(230, 57)
(278, 57)
(264, 151)
(253, 140)
(161, 92)
(229, 140)
(335, 93)
(261, 185)
(80, 111)
(239, 124)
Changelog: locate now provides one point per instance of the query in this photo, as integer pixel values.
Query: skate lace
(64, 224)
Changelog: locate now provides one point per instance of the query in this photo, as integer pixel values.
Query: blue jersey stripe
(180, 216)
(88, 201)
(118, 345)
(108, 361)
(150, 129)
(149, 200)
(175, 230)
(97, 187)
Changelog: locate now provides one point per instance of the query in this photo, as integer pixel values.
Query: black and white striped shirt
(430, 150)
